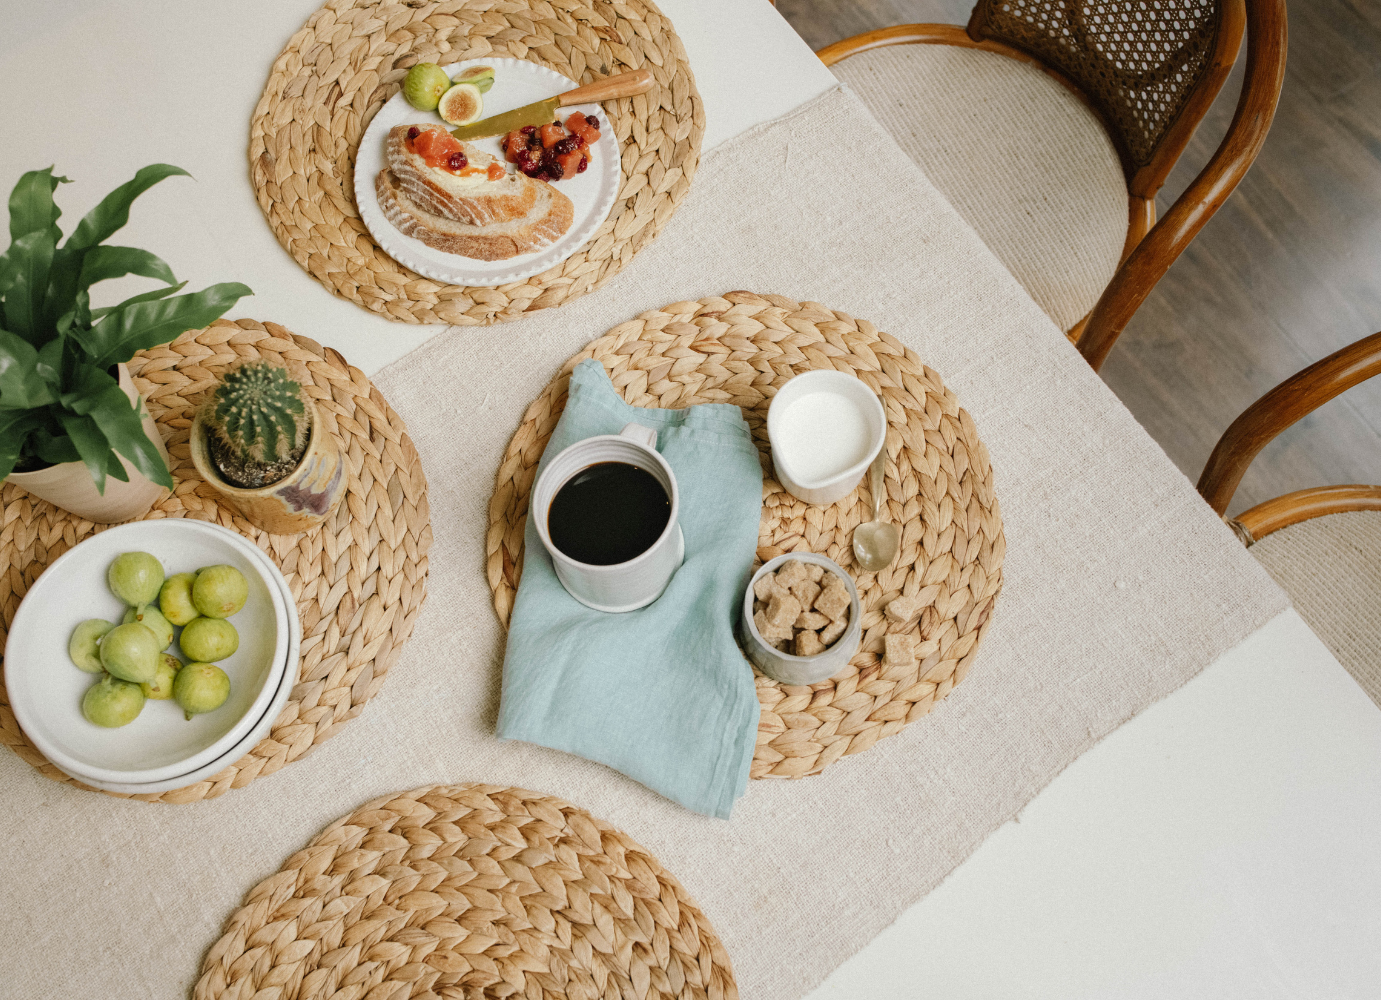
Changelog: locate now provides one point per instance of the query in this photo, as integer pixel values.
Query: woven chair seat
(1331, 568)
(1021, 158)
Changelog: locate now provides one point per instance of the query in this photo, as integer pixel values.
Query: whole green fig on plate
(111, 702)
(135, 578)
(130, 653)
(85, 645)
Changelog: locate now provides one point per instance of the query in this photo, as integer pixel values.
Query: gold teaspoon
(877, 541)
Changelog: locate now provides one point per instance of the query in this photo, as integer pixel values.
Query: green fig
(152, 619)
(175, 599)
(477, 76)
(200, 688)
(112, 703)
(85, 645)
(135, 578)
(130, 653)
(207, 640)
(161, 687)
(220, 591)
(424, 85)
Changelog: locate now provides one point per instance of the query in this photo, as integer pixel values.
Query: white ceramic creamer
(824, 427)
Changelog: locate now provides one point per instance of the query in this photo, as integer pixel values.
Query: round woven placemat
(740, 349)
(352, 56)
(465, 892)
(359, 578)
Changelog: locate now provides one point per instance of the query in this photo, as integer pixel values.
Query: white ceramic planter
(69, 485)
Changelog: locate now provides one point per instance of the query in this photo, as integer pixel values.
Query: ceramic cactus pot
(69, 484)
(300, 500)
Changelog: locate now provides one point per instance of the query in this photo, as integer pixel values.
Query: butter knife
(541, 113)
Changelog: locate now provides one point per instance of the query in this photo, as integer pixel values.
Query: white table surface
(1220, 844)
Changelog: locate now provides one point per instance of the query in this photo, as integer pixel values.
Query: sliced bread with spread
(457, 199)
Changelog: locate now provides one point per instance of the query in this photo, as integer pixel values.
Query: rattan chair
(1322, 545)
(1051, 124)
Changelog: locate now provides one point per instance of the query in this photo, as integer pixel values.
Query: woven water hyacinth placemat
(359, 578)
(740, 349)
(352, 56)
(469, 891)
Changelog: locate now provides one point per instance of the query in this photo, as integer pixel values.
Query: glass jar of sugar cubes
(801, 620)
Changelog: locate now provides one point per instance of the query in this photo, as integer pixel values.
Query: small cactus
(256, 413)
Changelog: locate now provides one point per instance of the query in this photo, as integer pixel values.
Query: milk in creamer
(820, 435)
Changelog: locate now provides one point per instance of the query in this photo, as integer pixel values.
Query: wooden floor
(1286, 272)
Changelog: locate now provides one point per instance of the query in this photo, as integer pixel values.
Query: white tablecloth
(1217, 845)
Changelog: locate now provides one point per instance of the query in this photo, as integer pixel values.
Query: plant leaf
(102, 262)
(50, 447)
(157, 293)
(31, 204)
(76, 270)
(79, 315)
(124, 429)
(87, 386)
(49, 365)
(21, 387)
(113, 211)
(147, 324)
(29, 259)
(15, 427)
(91, 445)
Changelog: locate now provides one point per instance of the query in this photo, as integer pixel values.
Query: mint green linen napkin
(663, 693)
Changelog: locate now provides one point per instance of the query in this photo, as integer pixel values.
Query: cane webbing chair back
(1138, 62)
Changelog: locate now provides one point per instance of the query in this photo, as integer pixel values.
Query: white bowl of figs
(152, 655)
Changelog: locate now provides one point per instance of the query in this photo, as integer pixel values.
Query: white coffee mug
(624, 586)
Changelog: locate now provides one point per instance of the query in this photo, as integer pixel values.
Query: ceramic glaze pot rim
(543, 494)
(201, 456)
(828, 380)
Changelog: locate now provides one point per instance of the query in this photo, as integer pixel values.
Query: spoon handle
(875, 481)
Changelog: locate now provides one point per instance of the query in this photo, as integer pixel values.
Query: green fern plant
(256, 421)
(59, 397)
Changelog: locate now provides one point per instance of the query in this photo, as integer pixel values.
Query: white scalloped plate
(516, 82)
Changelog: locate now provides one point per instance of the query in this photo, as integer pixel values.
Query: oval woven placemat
(359, 578)
(740, 349)
(351, 57)
(465, 892)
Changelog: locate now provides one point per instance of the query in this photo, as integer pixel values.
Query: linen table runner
(1120, 585)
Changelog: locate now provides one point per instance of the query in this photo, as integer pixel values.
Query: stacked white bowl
(160, 750)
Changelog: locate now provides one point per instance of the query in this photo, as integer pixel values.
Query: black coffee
(608, 513)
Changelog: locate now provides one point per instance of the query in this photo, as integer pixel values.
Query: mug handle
(645, 436)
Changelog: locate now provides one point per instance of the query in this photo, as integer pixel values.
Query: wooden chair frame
(1260, 423)
(1150, 247)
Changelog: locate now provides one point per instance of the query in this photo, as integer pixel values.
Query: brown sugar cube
(833, 600)
(812, 620)
(899, 650)
(805, 591)
(814, 571)
(791, 573)
(808, 643)
(782, 610)
(770, 632)
(783, 645)
(765, 586)
(833, 631)
(901, 609)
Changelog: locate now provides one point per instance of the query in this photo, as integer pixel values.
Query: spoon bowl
(876, 544)
(876, 541)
